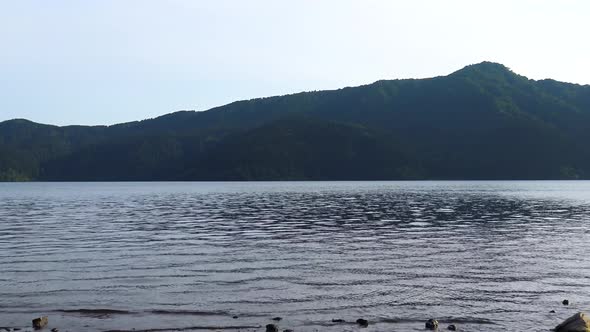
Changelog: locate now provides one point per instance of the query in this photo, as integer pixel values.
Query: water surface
(486, 256)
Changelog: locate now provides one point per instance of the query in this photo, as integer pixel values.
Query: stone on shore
(41, 322)
(272, 328)
(431, 324)
(576, 323)
(452, 327)
(362, 322)
(565, 302)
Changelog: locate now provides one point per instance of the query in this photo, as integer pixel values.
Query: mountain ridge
(480, 122)
(483, 64)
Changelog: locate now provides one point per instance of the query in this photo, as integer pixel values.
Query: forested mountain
(481, 122)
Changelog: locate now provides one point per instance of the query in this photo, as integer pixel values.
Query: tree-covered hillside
(481, 122)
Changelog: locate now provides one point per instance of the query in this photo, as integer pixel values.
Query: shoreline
(278, 324)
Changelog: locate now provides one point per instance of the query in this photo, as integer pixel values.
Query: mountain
(481, 122)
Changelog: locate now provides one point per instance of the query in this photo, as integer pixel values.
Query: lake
(486, 256)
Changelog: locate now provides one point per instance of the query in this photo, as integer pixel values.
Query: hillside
(481, 122)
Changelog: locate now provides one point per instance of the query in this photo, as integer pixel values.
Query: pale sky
(110, 61)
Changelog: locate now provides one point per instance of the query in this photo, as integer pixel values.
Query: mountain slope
(481, 122)
(305, 148)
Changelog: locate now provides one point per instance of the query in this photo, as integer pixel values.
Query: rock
(565, 302)
(288, 330)
(576, 323)
(452, 327)
(277, 319)
(431, 324)
(552, 311)
(54, 330)
(338, 320)
(362, 322)
(235, 317)
(39, 323)
(272, 328)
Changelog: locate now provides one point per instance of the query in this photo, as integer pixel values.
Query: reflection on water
(486, 256)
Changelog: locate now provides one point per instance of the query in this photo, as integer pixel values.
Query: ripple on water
(191, 256)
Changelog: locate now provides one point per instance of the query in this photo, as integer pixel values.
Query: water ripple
(191, 256)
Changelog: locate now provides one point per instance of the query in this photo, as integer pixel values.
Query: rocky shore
(579, 322)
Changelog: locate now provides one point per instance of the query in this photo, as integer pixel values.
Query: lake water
(486, 256)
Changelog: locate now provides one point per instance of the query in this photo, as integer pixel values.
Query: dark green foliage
(304, 148)
(481, 122)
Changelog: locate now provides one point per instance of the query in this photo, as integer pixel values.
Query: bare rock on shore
(431, 324)
(41, 322)
(576, 323)
(272, 328)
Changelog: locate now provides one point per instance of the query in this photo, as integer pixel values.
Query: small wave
(104, 312)
(188, 312)
(192, 328)
(459, 320)
(95, 311)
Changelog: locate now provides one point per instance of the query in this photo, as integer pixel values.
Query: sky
(111, 61)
